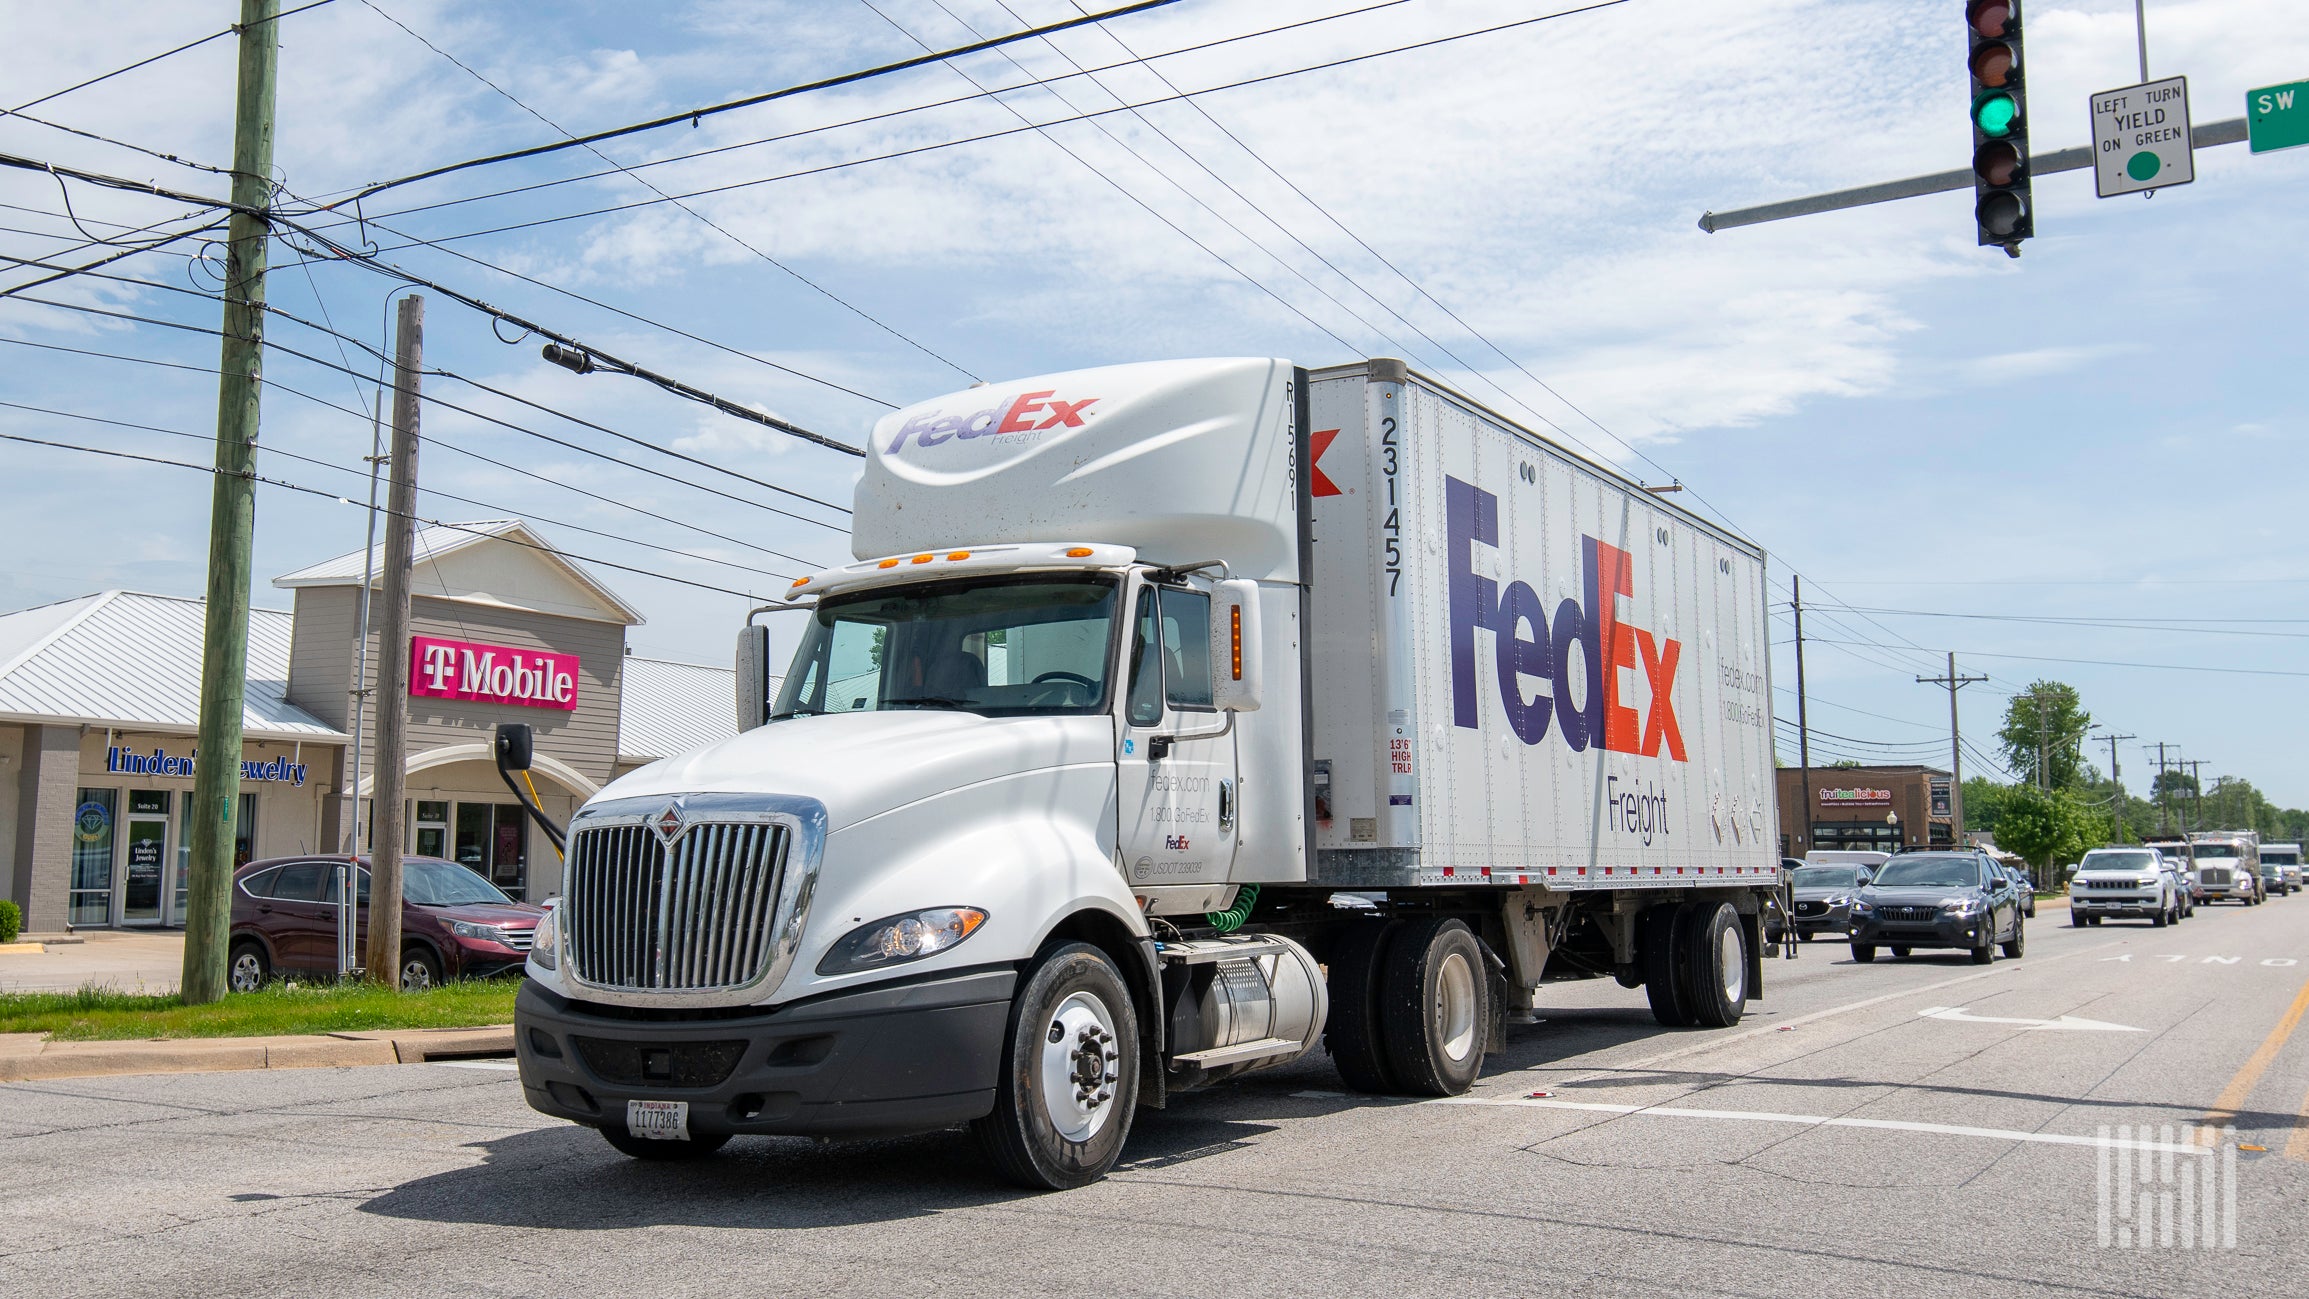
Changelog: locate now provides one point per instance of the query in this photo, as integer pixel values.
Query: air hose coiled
(1233, 918)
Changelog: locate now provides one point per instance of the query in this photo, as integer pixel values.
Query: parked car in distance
(1953, 899)
(454, 923)
(2025, 884)
(2281, 867)
(1823, 898)
(2124, 883)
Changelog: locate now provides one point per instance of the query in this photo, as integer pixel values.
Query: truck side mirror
(753, 664)
(516, 745)
(1235, 646)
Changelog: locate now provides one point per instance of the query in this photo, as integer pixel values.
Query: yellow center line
(2240, 1088)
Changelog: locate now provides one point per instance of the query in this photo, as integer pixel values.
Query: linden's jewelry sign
(491, 674)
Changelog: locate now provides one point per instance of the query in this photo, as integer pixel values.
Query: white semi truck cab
(1175, 719)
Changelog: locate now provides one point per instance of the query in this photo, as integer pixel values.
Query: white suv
(2125, 883)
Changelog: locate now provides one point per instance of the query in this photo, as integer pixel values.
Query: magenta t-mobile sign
(491, 674)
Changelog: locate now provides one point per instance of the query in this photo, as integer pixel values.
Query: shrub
(11, 921)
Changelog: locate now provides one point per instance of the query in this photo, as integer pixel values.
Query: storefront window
(245, 833)
(432, 837)
(509, 858)
(491, 844)
(92, 856)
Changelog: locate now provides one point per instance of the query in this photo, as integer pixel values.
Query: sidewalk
(26, 1057)
(129, 960)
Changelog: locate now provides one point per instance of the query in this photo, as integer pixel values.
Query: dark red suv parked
(454, 923)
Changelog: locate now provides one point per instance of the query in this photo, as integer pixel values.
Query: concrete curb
(22, 949)
(29, 1057)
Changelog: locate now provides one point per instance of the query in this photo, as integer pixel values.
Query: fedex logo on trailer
(1608, 645)
(491, 674)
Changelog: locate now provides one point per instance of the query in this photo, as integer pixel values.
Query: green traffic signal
(1995, 113)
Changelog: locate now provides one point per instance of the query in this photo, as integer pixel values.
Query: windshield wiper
(926, 701)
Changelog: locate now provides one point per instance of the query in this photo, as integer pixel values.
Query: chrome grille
(2216, 876)
(690, 918)
(519, 940)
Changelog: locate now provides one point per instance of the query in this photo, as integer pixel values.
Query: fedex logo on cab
(1533, 651)
(1029, 412)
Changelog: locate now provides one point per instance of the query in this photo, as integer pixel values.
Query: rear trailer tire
(1715, 950)
(697, 1147)
(1070, 1074)
(1354, 1035)
(1661, 984)
(1864, 952)
(2018, 947)
(1434, 1007)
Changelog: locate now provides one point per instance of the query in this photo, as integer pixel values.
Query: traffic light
(2002, 206)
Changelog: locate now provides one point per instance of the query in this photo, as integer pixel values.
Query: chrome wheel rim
(248, 973)
(416, 976)
(1455, 1007)
(1732, 966)
(1078, 1067)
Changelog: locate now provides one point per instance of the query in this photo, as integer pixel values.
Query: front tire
(1985, 954)
(1070, 1076)
(2014, 949)
(1434, 1007)
(1863, 952)
(1901, 953)
(2076, 919)
(420, 970)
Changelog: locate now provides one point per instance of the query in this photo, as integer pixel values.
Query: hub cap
(1732, 966)
(1455, 1007)
(415, 977)
(1078, 1067)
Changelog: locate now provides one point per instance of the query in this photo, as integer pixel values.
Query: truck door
(1175, 770)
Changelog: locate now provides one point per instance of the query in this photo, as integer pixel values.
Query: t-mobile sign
(491, 674)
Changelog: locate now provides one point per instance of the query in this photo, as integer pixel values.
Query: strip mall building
(100, 701)
(1885, 809)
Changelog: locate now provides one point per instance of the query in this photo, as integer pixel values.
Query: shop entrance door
(144, 866)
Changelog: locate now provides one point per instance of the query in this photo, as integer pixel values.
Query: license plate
(658, 1120)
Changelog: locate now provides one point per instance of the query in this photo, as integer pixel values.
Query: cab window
(1186, 640)
(1146, 673)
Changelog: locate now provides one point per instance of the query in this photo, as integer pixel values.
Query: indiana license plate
(658, 1120)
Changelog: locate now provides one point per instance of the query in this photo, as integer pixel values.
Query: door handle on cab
(1226, 805)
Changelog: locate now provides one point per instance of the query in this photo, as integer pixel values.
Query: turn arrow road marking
(1959, 1014)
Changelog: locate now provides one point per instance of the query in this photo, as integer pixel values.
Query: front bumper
(1940, 931)
(2120, 906)
(910, 1057)
(1828, 920)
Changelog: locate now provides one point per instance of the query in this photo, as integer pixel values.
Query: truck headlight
(895, 940)
(545, 942)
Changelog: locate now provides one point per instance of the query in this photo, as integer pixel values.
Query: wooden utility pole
(386, 820)
(2117, 800)
(1803, 723)
(1955, 749)
(232, 517)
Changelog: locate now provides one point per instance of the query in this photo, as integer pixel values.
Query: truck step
(1202, 951)
(1239, 1052)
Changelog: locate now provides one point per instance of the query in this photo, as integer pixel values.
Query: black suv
(1962, 900)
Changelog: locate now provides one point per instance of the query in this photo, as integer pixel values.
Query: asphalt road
(1840, 1142)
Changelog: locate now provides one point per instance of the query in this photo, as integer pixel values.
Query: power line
(333, 496)
(2113, 663)
(709, 222)
(147, 62)
(430, 491)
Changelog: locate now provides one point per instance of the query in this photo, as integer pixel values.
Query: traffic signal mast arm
(2080, 158)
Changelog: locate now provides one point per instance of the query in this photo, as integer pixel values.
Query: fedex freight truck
(1176, 719)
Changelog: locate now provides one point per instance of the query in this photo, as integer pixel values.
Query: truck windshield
(2284, 858)
(2216, 850)
(999, 646)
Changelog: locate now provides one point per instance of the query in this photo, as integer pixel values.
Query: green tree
(2047, 719)
(1984, 801)
(2046, 827)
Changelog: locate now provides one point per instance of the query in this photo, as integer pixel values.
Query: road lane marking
(505, 1065)
(1960, 1015)
(1831, 1121)
(2240, 1088)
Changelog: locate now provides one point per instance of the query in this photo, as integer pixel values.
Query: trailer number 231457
(1390, 532)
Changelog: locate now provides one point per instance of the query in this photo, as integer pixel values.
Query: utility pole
(386, 819)
(348, 908)
(2117, 799)
(1803, 723)
(2196, 793)
(2043, 773)
(1955, 748)
(2164, 796)
(232, 516)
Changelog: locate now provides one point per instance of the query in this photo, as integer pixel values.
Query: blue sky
(2109, 428)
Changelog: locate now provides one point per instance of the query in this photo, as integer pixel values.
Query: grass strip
(96, 1013)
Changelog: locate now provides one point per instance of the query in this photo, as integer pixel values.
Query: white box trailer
(1175, 718)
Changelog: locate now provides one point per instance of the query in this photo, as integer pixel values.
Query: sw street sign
(2277, 117)
(2141, 138)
